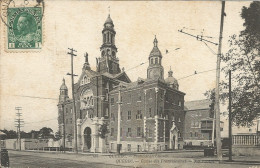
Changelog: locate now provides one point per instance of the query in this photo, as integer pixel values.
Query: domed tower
(108, 62)
(155, 69)
(63, 92)
(171, 81)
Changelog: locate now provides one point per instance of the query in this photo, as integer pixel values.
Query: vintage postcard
(129, 83)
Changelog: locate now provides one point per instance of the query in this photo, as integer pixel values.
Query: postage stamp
(24, 28)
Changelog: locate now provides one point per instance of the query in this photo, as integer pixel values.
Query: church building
(145, 115)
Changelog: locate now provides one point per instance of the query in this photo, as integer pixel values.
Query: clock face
(154, 74)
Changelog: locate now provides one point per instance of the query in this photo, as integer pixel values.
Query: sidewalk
(136, 159)
(248, 160)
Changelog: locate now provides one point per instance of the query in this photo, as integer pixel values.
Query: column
(164, 129)
(156, 129)
(79, 144)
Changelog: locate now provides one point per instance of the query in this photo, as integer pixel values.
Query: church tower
(63, 92)
(108, 62)
(155, 69)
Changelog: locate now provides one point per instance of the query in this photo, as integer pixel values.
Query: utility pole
(119, 119)
(73, 97)
(230, 119)
(19, 123)
(213, 130)
(218, 135)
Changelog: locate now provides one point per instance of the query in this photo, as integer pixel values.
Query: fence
(246, 140)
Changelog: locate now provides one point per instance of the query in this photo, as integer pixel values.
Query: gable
(85, 77)
(123, 77)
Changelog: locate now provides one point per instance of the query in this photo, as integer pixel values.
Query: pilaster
(156, 129)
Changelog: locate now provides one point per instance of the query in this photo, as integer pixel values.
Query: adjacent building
(151, 110)
(199, 123)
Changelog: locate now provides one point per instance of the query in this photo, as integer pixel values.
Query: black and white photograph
(142, 84)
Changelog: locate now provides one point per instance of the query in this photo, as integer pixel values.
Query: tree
(211, 96)
(243, 59)
(46, 132)
(10, 134)
(58, 135)
(103, 130)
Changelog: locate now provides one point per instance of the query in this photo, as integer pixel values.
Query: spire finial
(86, 57)
(170, 72)
(155, 42)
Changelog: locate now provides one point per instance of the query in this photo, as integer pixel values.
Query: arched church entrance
(87, 137)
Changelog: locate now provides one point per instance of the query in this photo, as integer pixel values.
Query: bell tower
(155, 69)
(63, 92)
(108, 62)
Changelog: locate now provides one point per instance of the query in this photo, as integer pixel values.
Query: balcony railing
(246, 140)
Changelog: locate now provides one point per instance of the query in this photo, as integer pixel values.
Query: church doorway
(87, 137)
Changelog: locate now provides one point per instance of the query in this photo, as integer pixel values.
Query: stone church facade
(151, 110)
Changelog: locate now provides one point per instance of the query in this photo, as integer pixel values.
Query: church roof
(171, 80)
(116, 76)
(197, 104)
(63, 86)
(155, 51)
(109, 20)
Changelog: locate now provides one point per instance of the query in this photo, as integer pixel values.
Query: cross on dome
(155, 42)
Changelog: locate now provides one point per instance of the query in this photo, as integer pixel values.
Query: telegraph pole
(120, 86)
(218, 135)
(230, 119)
(19, 123)
(73, 97)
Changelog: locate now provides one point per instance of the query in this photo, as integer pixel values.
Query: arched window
(159, 61)
(151, 60)
(85, 80)
(156, 60)
(92, 101)
(113, 39)
(87, 100)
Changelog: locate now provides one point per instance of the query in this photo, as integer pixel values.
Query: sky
(78, 25)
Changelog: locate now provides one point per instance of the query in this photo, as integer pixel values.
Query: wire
(210, 48)
(196, 74)
(137, 66)
(148, 61)
(40, 121)
(35, 97)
